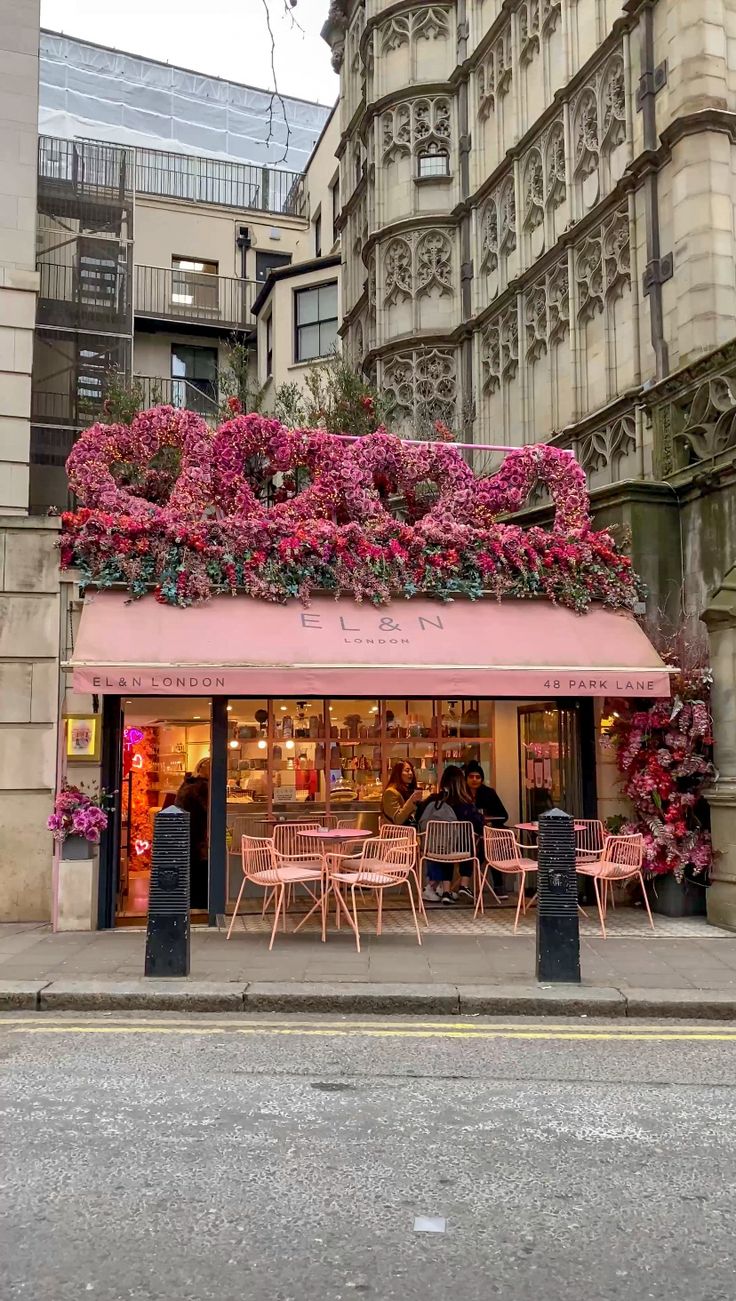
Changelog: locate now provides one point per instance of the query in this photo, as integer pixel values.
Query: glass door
(549, 751)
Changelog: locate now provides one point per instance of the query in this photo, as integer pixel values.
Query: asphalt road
(287, 1160)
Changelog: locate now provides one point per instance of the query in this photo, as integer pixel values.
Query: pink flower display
(77, 813)
(279, 513)
(664, 754)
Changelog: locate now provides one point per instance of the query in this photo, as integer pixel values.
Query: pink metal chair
(383, 865)
(621, 860)
(292, 849)
(590, 837)
(503, 851)
(261, 866)
(396, 833)
(451, 842)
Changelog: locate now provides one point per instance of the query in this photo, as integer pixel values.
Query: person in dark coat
(488, 802)
(452, 803)
(194, 797)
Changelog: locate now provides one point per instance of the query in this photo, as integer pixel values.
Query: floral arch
(166, 504)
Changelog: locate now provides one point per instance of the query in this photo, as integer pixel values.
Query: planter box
(77, 893)
(674, 898)
(77, 848)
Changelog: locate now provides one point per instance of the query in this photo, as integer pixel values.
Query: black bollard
(167, 938)
(558, 934)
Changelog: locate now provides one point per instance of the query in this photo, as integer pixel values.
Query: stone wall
(19, 23)
(29, 709)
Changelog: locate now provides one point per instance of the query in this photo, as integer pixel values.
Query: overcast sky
(225, 38)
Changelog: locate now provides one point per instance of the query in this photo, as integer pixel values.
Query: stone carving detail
(558, 303)
(551, 12)
(423, 385)
(428, 24)
(707, 419)
(599, 116)
(415, 264)
(529, 29)
(533, 186)
(507, 217)
(500, 349)
(546, 312)
(397, 271)
(604, 449)
(489, 237)
(535, 322)
(613, 103)
(487, 87)
(554, 154)
(418, 123)
(617, 254)
(602, 265)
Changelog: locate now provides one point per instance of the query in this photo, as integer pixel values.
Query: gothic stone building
(538, 243)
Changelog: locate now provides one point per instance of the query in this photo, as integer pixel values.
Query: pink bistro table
(334, 842)
(533, 829)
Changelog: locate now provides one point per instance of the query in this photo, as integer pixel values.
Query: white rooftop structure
(91, 91)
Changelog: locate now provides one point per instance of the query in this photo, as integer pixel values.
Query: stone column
(720, 619)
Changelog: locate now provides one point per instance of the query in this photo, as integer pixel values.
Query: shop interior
(302, 758)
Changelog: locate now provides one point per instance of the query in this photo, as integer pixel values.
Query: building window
(433, 161)
(266, 262)
(269, 347)
(318, 235)
(194, 283)
(194, 378)
(315, 321)
(335, 207)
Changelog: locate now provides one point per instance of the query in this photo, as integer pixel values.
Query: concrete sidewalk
(691, 973)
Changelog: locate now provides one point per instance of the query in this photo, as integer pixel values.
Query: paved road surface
(193, 1159)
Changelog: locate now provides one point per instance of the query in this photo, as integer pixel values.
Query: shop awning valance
(238, 646)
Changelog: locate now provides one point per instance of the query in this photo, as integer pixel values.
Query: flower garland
(338, 534)
(77, 813)
(665, 756)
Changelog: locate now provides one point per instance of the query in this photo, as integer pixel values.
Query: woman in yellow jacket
(401, 796)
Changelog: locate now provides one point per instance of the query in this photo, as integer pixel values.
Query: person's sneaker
(465, 894)
(448, 898)
(429, 894)
(502, 898)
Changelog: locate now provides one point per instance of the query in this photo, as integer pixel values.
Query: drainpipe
(658, 268)
(466, 260)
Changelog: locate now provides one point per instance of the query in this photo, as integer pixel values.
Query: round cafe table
(533, 830)
(334, 842)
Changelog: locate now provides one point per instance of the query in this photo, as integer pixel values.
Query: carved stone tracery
(423, 386)
(417, 263)
(500, 349)
(602, 265)
(430, 23)
(416, 124)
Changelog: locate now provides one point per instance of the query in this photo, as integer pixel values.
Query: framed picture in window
(83, 738)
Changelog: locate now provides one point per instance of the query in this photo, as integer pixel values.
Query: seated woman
(452, 803)
(401, 796)
(488, 802)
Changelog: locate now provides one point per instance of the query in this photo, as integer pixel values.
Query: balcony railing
(215, 180)
(190, 395)
(171, 295)
(92, 169)
(86, 296)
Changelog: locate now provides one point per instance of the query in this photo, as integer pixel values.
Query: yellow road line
(350, 1032)
(293, 1023)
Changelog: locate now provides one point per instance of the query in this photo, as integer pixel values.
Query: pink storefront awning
(238, 646)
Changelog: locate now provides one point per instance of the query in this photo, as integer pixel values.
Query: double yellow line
(358, 1029)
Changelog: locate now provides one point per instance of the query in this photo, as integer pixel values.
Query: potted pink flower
(77, 821)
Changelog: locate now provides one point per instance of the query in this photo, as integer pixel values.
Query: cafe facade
(302, 711)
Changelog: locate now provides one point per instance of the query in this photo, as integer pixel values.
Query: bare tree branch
(276, 96)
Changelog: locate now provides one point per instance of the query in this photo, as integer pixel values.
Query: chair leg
(520, 901)
(646, 900)
(280, 893)
(379, 918)
(237, 905)
(596, 887)
(413, 881)
(355, 919)
(479, 905)
(416, 919)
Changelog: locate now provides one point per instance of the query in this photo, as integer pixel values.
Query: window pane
(307, 306)
(434, 164)
(327, 338)
(327, 301)
(307, 342)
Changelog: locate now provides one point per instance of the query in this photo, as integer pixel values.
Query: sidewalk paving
(690, 973)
